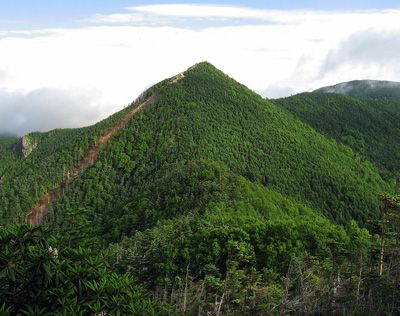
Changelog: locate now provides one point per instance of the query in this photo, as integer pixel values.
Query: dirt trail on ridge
(39, 211)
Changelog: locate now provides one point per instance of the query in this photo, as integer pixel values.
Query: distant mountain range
(7, 135)
(365, 88)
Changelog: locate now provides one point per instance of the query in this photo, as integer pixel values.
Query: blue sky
(23, 14)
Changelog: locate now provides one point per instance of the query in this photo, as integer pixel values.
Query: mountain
(212, 199)
(202, 116)
(50, 156)
(365, 88)
(371, 127)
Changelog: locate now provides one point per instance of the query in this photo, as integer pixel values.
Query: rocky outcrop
(177, 78)
(26, 146)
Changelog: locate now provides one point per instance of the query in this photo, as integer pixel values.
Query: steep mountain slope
(203, 116)
(365, 88)
(371, 127)
(206, 117)
(47, 164)
(37, 213)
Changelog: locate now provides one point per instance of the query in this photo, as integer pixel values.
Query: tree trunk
(186, 288)
(359, 280)
(380, 268)
(220, 304)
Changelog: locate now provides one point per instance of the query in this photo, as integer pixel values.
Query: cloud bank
(371, 50)
(46, 109)
(275, 53)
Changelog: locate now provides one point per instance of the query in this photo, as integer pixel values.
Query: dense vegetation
(8, 154)
(371, 127)
(42, 275)
(210, 201)
(57, 151)
(209, 117)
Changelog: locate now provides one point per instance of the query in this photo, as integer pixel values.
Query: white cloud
(3, 76)
(199, 10)
(277, 91)
(171, 13)
(46, 109)
(372, 51)
(283, 51)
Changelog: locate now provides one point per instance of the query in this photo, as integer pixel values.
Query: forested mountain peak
(204, 115)
(201, 73)
(203, 64)
(203, 193)
(365, 88)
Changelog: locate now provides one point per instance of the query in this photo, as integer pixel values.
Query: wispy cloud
(25, 34)
(175, 14)
(172, 14)
(189, 16)
(199, 10)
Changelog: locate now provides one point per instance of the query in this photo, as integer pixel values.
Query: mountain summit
(200, 117)
(365, 88)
